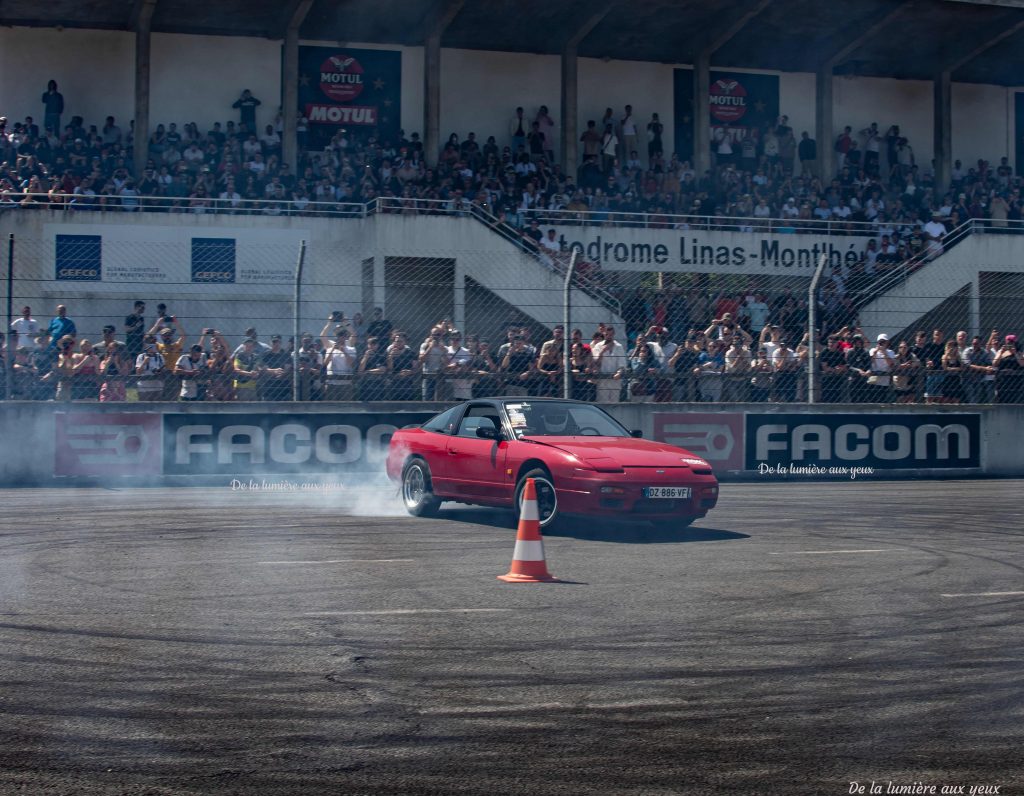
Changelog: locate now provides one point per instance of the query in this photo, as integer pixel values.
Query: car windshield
(561, 419)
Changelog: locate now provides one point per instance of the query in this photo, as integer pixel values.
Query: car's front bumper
(621, 494)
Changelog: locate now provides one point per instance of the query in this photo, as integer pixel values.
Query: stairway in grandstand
(497, 258)
(588, 296)
(916, 296)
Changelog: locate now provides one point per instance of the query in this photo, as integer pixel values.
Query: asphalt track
(801, 638)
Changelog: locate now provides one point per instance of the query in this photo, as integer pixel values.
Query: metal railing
(901, 272)
(749, 386)
(416, 206)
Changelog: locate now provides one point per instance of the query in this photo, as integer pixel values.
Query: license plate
(677, 492)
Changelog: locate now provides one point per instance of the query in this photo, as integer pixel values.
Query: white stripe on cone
(529, 510)
(529, 551)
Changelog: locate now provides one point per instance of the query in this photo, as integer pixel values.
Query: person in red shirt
(728, 305)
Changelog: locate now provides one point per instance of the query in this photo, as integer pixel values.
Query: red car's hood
(616, 452)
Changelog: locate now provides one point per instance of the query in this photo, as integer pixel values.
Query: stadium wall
(215, 444)
(196, 78)
(149, 256)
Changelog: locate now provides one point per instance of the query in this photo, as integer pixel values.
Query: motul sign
(342, 114)
(341, 78)
(728, 100)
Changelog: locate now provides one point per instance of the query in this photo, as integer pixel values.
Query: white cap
(883, 338)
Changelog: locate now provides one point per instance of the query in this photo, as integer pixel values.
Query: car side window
(478, 417)
(443, 423)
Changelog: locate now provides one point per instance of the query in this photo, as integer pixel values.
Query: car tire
(547, 498)
(416, 491)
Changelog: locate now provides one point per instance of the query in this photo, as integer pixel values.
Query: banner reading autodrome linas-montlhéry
(352, 89)
(741, 104)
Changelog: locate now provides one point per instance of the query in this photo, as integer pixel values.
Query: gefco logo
(79, 274)
(879, 441)
(341, 78)
(728, 100)
(213, 276)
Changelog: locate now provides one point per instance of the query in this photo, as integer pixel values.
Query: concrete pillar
(570, 110)
(143, 51)
(380, 291)
(823, 129)
(459, 296)
(974, 305)
(432, 98)
(943, 134)
(702, 114)
(290, 97)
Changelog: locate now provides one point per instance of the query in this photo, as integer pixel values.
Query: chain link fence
(372, 325)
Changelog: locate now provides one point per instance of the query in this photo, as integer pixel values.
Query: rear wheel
(417, 494)
(547, 498)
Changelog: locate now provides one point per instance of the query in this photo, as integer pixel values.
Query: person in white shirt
(340, 361)
(149, 366)
(609, 147)
(458, 362)
(934, 232)
(757, 311)
(551, 242)
(270, 140)
(230, 198)
(842, 210)
(26, 328)
(190, 368)
(628, 127)
(193, 157)
(883, 363)
(786, 365)
(433, 361)
(256, 165)
(770, 340)
(611, 363)
(251, 147)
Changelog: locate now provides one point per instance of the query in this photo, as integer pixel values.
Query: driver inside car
(556, 422)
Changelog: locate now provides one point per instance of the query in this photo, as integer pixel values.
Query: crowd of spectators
(760, 177)
(728, 347)
(752, 348)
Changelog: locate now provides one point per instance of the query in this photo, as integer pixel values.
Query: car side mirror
(636, 432)
(485, 432)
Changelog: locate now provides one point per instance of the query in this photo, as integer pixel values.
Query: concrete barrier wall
(46, 444)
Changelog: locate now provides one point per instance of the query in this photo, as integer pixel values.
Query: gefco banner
(741, 105)
(341, 87)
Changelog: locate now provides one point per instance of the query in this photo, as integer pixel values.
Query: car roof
(525, 399)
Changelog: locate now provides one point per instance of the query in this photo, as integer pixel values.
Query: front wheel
(547, 498)
(417, 494)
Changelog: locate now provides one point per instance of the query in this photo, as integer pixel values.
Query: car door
(432, 445)
(476, 466)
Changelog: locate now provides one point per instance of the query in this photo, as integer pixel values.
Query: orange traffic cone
(528, 565)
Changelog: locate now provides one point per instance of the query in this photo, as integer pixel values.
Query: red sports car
(582, 460)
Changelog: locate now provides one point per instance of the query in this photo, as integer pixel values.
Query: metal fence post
(296, 342)
(812, 330)
(11, 350)
(566, 320)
